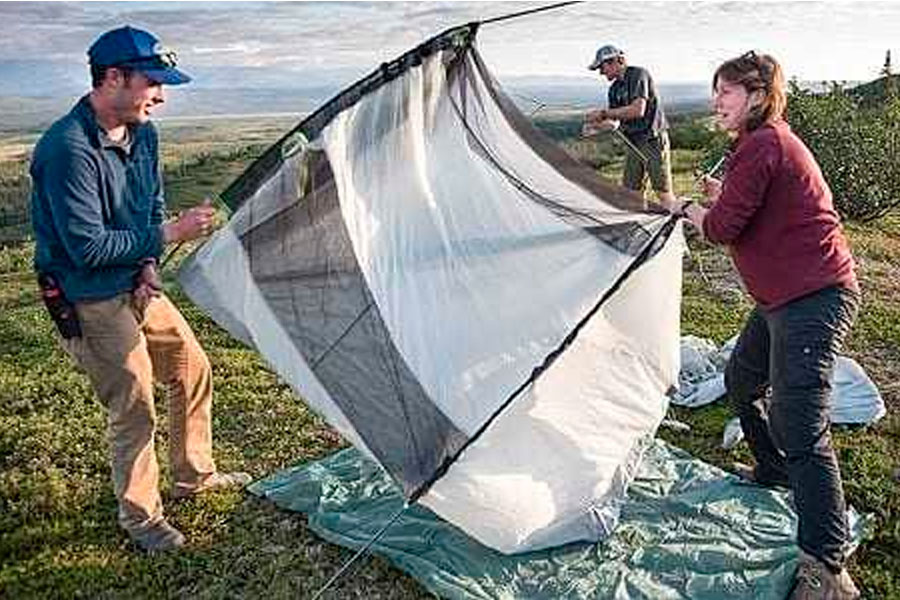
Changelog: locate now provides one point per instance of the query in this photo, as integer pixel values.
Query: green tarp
(688, 530)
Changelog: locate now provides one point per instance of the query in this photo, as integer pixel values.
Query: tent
(474, 310)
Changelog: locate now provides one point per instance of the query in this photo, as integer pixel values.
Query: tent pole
(527, 12)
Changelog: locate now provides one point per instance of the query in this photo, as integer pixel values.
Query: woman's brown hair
(757, 72)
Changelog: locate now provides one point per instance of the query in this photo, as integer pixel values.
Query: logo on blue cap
(138, 50)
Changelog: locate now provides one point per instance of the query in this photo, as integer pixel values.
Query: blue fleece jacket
(97, 207)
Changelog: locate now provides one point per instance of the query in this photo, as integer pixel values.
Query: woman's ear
(756, 98)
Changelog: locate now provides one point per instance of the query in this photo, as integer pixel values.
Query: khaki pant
(658, 165)
(122, 349)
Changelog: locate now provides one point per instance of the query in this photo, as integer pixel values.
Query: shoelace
(810, 574)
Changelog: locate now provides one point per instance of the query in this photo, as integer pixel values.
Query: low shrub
(856, 142)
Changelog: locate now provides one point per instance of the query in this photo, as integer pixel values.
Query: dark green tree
(855, 142)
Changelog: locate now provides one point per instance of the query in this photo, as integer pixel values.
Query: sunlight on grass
(58, 533)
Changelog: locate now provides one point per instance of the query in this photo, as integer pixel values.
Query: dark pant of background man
(792, 349)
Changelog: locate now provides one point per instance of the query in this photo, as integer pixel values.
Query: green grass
(715, 307)
(58, 534)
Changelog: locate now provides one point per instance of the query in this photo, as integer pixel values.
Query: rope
(541, 105)
(169, 256)
(630, 145)
(359, 554)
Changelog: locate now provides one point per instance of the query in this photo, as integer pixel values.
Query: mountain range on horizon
(31, 112)
(34, 111)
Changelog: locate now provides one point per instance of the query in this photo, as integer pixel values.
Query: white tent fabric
(554, 468)
(482, 316)
(855, 399)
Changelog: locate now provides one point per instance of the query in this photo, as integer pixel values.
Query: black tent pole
(528, 12)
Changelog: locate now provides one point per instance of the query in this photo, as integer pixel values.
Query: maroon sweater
(776, 214)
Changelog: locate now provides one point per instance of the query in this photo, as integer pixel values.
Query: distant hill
(579, 94)
(873, 92)
(30, 114)
(27, 114)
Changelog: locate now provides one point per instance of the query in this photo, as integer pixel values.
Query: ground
(58, 536)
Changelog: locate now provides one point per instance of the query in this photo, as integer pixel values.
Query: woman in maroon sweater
(774, 212)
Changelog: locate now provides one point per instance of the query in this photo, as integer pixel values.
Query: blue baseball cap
(138, 50)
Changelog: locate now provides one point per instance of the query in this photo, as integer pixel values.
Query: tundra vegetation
(58, 535)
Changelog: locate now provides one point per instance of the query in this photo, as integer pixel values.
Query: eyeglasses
(762, 63)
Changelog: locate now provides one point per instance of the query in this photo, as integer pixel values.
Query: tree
(890, 85)
(856, 143)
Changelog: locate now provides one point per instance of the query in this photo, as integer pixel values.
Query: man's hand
(596, 115)
(596, 121)
(191, 224)
(147, 284)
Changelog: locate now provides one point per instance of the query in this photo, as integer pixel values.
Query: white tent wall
(555, 465)
(415, 265)
(456, 257)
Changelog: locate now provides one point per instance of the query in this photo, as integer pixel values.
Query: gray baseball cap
(605, 53)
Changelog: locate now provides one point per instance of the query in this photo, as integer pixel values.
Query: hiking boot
(748, 473)
(158, 537)
(815, 581)
(214, 482)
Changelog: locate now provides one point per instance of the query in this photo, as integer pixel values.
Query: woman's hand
(695, 214)
(711, 188)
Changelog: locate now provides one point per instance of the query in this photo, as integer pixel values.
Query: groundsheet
(687, 530)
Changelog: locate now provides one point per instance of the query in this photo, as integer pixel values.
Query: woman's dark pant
(779, 379)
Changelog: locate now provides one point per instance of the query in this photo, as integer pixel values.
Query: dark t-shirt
(637, 83)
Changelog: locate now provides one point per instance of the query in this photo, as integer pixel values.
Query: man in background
(634, 107)
(98, 217)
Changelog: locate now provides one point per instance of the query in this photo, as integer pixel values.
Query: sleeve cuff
(157, 242)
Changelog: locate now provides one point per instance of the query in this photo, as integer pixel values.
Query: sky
(297, 44)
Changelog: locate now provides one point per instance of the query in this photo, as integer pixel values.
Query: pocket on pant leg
(809, 364)
(109, 329)
(799, 411)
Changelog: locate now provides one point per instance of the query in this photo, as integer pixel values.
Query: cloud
(265, 41)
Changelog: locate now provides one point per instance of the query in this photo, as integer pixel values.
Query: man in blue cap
(636, 110)
(99, 221)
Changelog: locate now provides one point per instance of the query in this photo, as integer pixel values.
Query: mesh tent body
(472, 308)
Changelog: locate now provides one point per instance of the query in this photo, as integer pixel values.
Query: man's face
(135, 97)
(609, 69)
